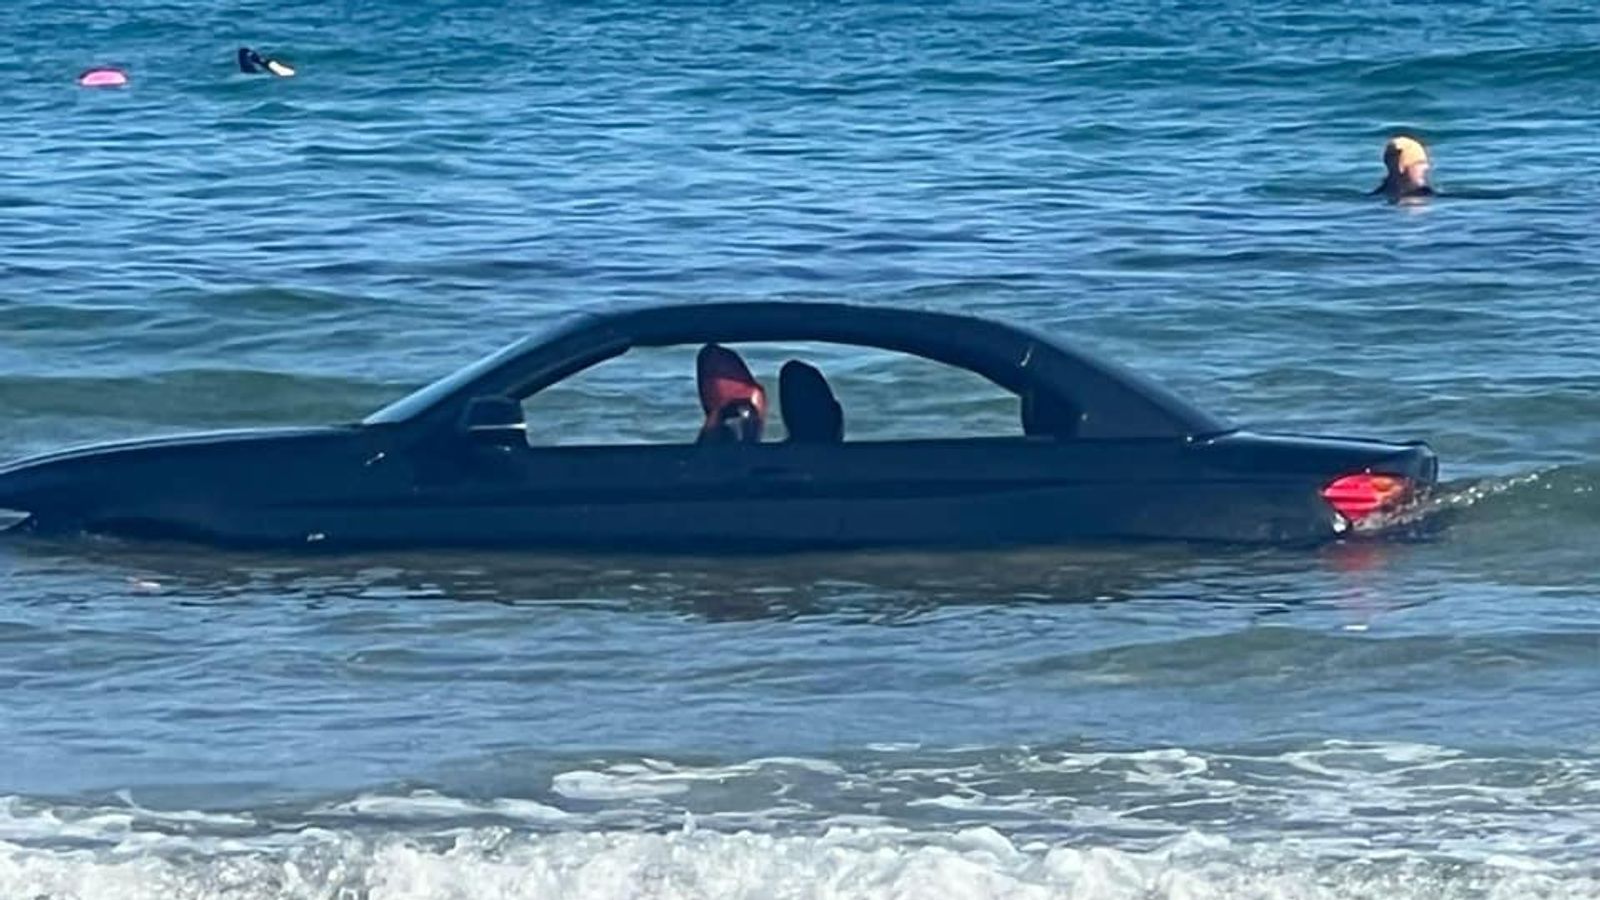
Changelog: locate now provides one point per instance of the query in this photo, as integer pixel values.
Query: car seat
(735, 404)
(810, 411)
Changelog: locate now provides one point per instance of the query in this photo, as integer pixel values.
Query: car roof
(1016, 357)
(801, 320)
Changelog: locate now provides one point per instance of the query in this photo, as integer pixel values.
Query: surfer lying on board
(251, 62)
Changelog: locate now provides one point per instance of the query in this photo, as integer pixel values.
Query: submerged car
(1101, 453)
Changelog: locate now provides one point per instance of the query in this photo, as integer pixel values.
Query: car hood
(195, 439)
(187, 468)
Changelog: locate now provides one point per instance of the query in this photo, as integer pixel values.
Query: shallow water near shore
(1184, 190)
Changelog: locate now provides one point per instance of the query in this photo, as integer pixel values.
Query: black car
(1100, 453)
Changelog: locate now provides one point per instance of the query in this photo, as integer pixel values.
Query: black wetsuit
(1424, 191)
(251, 62)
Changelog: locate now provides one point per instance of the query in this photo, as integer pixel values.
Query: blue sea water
(1182, 186)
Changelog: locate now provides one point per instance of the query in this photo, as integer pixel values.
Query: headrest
(727, 388)
(810, 411)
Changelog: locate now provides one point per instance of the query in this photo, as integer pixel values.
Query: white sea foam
(843, 863)
(587, 785)
(431, 805)
(1366, 798)
(1337, 820)
(655, 778)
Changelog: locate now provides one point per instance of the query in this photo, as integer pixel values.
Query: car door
(1000, 489)
(699, 497)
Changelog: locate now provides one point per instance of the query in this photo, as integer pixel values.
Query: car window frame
(1116, 401)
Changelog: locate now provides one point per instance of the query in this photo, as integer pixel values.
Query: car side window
(835, 392)
(886, 396)
(645, 396)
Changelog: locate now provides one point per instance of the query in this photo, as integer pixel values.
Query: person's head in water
(1407, 163)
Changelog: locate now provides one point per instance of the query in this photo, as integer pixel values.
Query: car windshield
(424, 398)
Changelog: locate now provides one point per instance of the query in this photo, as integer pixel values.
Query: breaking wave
(1417, 821)
(692, 863)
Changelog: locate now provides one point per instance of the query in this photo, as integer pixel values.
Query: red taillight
(1359, 496)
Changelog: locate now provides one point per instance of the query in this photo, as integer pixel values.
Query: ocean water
(1179, 185)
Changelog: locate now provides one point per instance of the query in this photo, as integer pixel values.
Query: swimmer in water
(1407, 162)
(251, 62)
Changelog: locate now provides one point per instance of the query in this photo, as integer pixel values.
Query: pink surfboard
(103, 77)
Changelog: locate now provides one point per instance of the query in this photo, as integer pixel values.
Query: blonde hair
(1402, 152)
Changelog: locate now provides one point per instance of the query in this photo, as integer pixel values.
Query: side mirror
(1046, 415)
(495, 420)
